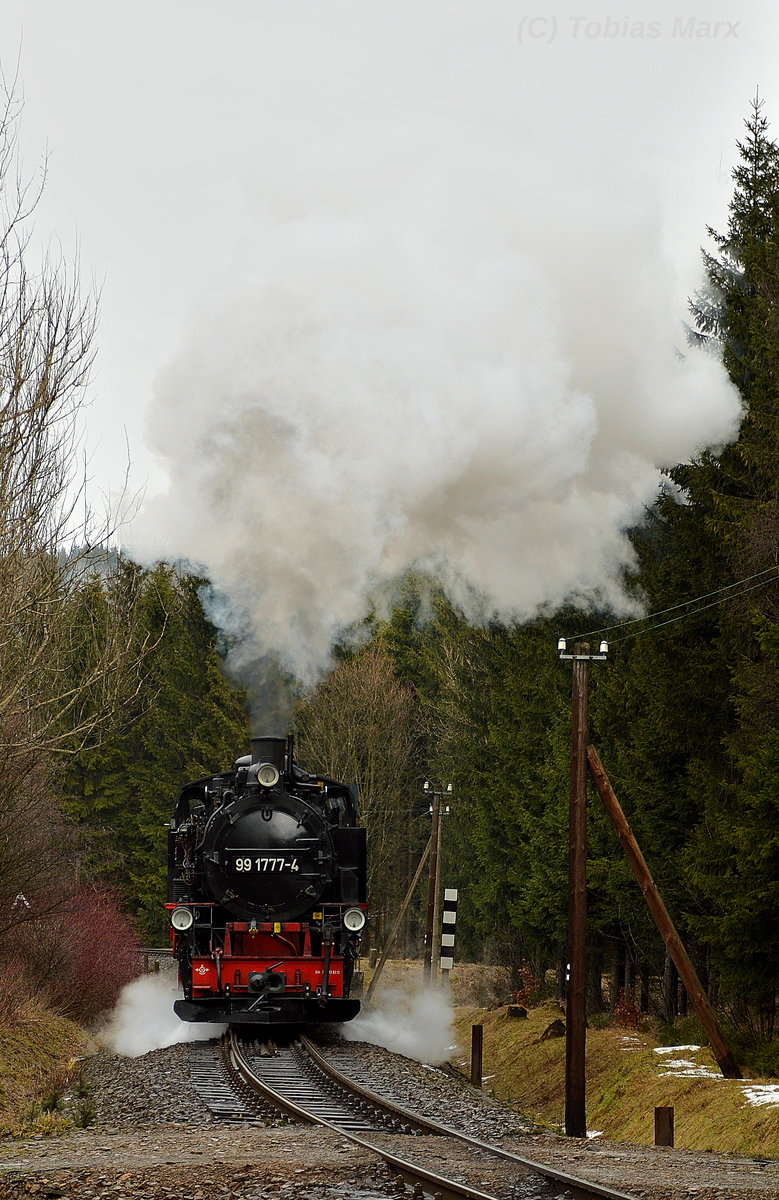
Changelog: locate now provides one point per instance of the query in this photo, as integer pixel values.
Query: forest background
(113, 690)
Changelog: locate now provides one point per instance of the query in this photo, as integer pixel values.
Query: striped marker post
(448, 935)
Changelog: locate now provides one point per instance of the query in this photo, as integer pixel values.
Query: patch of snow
(683, 1068)
(762, 1094)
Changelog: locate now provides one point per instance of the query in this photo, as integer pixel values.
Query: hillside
(628, 1075)
(629, 1071)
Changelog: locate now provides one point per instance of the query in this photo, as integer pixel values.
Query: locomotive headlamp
(354, 919)
(268, 775)
(182, 919)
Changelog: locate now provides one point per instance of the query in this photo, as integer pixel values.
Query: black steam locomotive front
(266, 892)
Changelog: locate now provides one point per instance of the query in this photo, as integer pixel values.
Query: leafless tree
(68, 659)
(49, 546)
(359, 725)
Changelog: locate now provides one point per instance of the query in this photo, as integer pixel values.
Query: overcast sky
(390, 282)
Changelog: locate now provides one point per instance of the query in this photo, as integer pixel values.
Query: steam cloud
(417, 1022)
(144, 1020)
(441, 346)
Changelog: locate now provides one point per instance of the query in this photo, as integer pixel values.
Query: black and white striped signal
(448, 922)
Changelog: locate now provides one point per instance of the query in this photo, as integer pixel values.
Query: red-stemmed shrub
(83, 953)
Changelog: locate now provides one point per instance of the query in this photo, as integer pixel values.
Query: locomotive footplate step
(288, 1012)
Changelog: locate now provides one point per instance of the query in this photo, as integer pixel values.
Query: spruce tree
(188, 720)
(728, 521)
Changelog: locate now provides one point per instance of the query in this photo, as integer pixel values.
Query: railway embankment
(48, 1085)
(41, 1056)
(629, 1074)
(151, 1139)
(630, 1070)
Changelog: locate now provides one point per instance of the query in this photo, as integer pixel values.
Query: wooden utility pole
(663, 921)
(433, 888)
(437, 897)
(576, 992)
(398, 921)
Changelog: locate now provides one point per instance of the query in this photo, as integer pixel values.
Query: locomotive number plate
(266, 864)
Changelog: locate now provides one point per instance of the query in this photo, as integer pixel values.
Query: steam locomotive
(266, 893)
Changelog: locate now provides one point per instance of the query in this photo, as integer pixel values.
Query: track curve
(316, 1092)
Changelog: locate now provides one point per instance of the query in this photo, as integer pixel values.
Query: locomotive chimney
(270, 750)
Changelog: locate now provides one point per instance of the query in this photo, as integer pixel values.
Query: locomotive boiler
(266, 893)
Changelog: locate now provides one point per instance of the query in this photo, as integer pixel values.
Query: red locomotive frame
(282, 953)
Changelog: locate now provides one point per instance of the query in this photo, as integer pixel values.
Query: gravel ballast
(153, 1137)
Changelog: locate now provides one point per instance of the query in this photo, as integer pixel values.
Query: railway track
(248, 1082)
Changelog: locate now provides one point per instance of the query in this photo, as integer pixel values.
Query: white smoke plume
(417, 1022)
(144, 1020)
(450, 339)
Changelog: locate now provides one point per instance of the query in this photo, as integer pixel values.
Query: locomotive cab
(266, 893)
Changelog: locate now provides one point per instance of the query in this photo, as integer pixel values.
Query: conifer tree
(741, 875)
(188, 720)
(715, 674)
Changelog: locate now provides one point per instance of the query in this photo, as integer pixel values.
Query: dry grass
(39, 1053)
(625, 1080)
(470, 983)
(624, 1084)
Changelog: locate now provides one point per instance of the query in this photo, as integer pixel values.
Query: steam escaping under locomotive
(266, 893)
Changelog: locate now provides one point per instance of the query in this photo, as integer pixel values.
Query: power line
(719, 592)
(694, 612)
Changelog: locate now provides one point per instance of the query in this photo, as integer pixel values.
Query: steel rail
(447, 1189)
(583, 1189)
